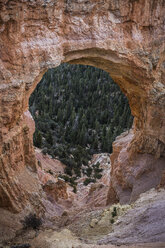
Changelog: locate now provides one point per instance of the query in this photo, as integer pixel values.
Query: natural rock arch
(123, 37)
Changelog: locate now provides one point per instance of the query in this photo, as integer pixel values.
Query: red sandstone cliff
(125, 38)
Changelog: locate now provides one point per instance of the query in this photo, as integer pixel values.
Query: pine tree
(49, 138)
(37, 139)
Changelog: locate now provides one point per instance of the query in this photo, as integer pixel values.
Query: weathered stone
(93, 223)
(141, 223)
(56, 190)
(125, 38)
(132, 174)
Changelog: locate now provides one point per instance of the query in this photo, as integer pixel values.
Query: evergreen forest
(78, 111)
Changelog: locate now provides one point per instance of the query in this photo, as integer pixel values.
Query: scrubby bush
(50, 172)
(21, 246)
(97, 176)
(32, 221)
(89, 171)
(114, 213)
(98, 170)
(112, 221)
(65, 177)
(96, 165)
(75, 189)
(89, 180)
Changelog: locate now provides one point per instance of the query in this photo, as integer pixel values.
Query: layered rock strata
(124, 37)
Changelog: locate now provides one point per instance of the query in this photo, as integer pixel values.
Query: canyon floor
(83, 220)
(139, 225)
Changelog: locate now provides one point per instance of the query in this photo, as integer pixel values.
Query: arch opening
(79, 111)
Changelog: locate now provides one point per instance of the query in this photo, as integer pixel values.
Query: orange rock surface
(125, 38)
(56, 190)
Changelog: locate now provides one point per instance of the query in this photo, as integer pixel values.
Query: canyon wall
(125, 38)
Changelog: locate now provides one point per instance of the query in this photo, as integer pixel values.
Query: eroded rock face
(56, 190)
(123, 37)
(143, 222)
(132, 174)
